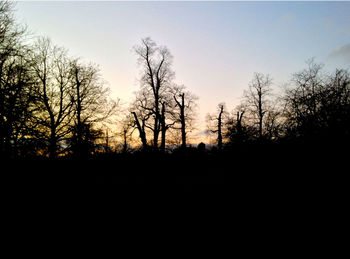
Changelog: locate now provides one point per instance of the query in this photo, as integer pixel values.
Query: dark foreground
(254, 171)
(251, 190)
(248, 194)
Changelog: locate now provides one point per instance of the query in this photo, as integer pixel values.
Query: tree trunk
(183, 121)
(125, 145)
(156, 123)
(219, 128)
(141, 132)
(52, 144)
(260, 116)
(79, 123)
(239, 127)
(163, 128)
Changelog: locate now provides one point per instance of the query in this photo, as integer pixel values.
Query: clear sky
(217, 46)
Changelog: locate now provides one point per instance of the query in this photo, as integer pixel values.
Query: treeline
(314, 109)
(52, 104)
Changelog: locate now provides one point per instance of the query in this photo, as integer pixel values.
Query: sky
(217, 46)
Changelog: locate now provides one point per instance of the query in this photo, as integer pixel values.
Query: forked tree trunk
(181, 106)
(141, 131)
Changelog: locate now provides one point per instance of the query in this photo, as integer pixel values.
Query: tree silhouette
(317, 107)
(54, 111)
(90, 101)
(16, 93)
(141, 114)
(215, 123)
(155, 81)
(237, 132)
(257, 101)
(185, 102)
(52, 105)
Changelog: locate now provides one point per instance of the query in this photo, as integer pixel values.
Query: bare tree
(301, 101)
(257, 100)
(185, 102)
(91, 103)
(16, 95)
(55, 105)
(317, 106)
(155, 80)
(11, 34)
(141, 113)
(215, 123)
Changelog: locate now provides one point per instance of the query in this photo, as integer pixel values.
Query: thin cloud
(341, 53)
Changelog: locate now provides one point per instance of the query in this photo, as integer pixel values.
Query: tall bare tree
(16, 95)
(91, 103)
(11, 33)
(215, 123)
(257, 100)
(54, 112)
(185, 104)
(155, 80)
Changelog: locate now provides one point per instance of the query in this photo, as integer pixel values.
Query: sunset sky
(217, 46)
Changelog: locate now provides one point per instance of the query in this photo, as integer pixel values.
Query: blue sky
(217, 46)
